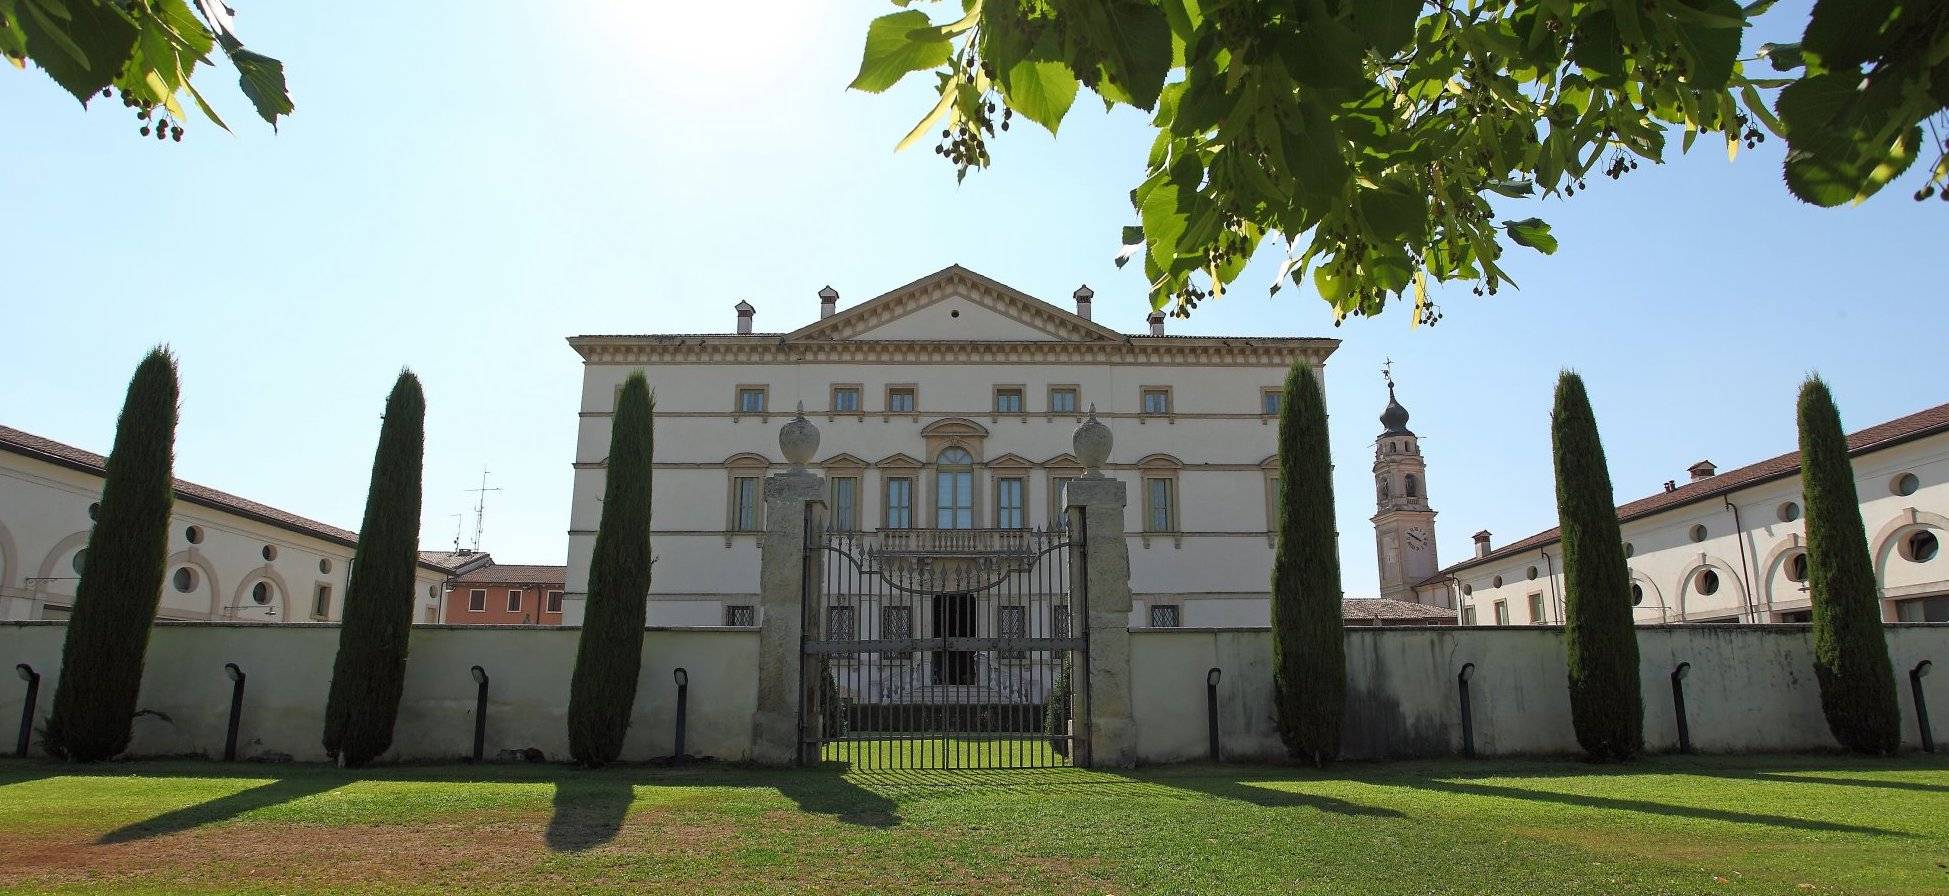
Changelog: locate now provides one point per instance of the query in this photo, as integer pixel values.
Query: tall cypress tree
(370, 671)
(1606, 707)
(121, 576)
(610, 653)
(1857, 682)
(1309, 652)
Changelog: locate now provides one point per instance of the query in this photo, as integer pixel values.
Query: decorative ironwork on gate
(943, 648)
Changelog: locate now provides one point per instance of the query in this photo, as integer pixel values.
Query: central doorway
(954, 617)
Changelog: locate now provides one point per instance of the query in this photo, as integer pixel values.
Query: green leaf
(1833, 180)
(1164, 222)
(1386, 25)
(1597, 47)
(1842, 34)
(1531, 232)
(898, 43)
(926, 124)
(1784, 57)
(81, 44)
(1042, 91)
(1135, 41)
(262, 80)
(1711, 28)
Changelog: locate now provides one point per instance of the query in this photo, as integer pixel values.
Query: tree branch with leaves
(145, 51)
(1371, 140)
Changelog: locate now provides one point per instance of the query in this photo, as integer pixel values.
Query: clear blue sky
(460, 189)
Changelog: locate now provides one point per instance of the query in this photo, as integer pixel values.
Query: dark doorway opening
(954, 617)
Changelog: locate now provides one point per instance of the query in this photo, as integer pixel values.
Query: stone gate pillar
(792, 499)
(1095, 504)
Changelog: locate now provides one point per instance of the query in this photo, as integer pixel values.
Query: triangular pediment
(843, 459)
(954, 305)
(898, 460)
(1010, 459)
(1064, 459)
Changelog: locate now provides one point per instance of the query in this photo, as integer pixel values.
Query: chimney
(828, 302)
(1083, 296)
(1671, 485)
(1482, 543)
(1157, 323)
(1702, 470)
(745, 313)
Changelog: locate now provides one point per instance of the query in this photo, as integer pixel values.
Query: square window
(1269, 402)
(741, 614)
(1156, 401)
(514, 600)
(845, 398)
(751, 400)
(1008, 401)
(554, 601)
(841, 624)
(901, 399)
(1165, 616)
(1062, 399)
(477, 600)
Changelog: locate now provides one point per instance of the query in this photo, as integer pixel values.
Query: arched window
(953, 490)
(1382, 483)
(1413, 486)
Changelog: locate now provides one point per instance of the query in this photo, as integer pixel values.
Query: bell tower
(1404, 526)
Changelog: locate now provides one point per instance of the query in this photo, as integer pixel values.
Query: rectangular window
(1059, 621)
(897, 624)
(751, 400)
(554, 601)
(1269, 402)
(1468, 615)
(321, 602)
(1062, 399)
(1272, 503)
(477, 600)
(900, 504)
(1165, 616)
(1160, 512)
(845, 398)
(1008, 401)
(1008, 503)
(845, 504)
(1058, 515)
(1156, 400)
(1012, 621)
(741, 614)
(514, 600)
(901, 399)
(841, 624)
(1502, 612)
(1536, 609)
(744, 503)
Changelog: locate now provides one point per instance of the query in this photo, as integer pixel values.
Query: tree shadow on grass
(1791, 778)
(224, 808)
(1645, 806)
(1242, 790)
(589, 811)
(826, 790)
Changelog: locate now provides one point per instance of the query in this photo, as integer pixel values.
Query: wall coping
(198, 623)
(1775, 627)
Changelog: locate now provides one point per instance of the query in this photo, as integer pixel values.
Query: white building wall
(1750, 560)
(1216, 566)
(45, 522)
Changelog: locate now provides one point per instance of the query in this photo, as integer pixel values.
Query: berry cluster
(161, 127)
(965, 144)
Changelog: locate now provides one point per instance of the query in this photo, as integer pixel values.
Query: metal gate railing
(942, 648)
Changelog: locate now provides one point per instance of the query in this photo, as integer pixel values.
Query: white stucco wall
(1750, 559)
(44, 522)
(1751, 689)
(289, 674)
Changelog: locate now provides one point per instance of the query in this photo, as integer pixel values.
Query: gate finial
(1092, 443)
(798, 439)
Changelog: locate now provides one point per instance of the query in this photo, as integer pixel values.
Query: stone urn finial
(1092, 444)
(798, 439)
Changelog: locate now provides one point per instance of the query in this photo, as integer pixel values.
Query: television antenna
(480, 506)
(457, 517)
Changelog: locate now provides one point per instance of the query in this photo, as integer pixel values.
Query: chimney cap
(1702, 470)
(1671, 485)
(829, 294)
(1084, 293)
(745, 309)
(1481, 536)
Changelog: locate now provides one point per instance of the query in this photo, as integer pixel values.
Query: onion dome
(1395, 418)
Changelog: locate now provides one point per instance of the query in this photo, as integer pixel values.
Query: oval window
(193, 534)
(1637, 594)
(261, 593)
(80, 561)
(1921, 547)
(1905, 485)
(1630, 549)
(325, 566)
(269, 552)
(184, 580)
(1706, 582)
(1531, 572)
(1496, 582)
(1789, 512)
(1797, 567)
(1698, 533)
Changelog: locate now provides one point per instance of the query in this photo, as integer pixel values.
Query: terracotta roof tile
(1383, 608)
(513, 574)
(1893, 432)
(29, 445)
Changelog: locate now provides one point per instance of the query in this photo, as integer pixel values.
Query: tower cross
(1387, 371)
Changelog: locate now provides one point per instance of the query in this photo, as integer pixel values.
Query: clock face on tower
(1417, 539)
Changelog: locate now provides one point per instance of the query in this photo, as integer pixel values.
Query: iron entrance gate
(941, 648)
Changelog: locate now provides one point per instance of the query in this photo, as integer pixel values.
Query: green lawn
(1668, 825)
